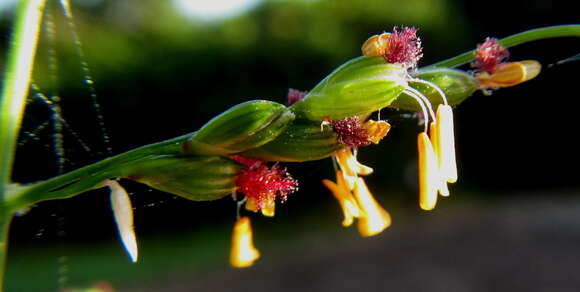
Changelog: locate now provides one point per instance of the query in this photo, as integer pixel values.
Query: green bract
(456, 84)
(302, 141)
(242, 127)
(197, 178)
(360, 86)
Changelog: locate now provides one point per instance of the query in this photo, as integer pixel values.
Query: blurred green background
(164, 68)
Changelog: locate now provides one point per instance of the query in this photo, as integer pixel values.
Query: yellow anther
(532, 69)
(252, 205)
(377, 130)
(347, 202)
(376, 45)
(269, 207)
(349, 180)
(434, 137)
(343, 159)
(348, 163)
(243, 253)
(509, 74)
(428, 173)
(374, 219)
(446, 143)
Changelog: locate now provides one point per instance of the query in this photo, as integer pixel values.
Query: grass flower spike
(243, 253)
(240, 150)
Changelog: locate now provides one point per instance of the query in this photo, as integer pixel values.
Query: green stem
(514, 40)
(4, 229)
(91, 176)
(16, 83)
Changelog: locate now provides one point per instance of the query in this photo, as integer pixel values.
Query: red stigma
(295, 96)
(489, 55)
(351, 132)
(263, 183)
(404, 47)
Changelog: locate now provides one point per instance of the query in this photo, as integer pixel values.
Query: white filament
(431, 84)
(425, 100)
(417, 96)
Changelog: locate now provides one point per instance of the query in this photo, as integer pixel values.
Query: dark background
(159, 75)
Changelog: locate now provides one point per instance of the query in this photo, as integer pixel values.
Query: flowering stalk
(572, 30)
(285, 138)
(230, 153)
